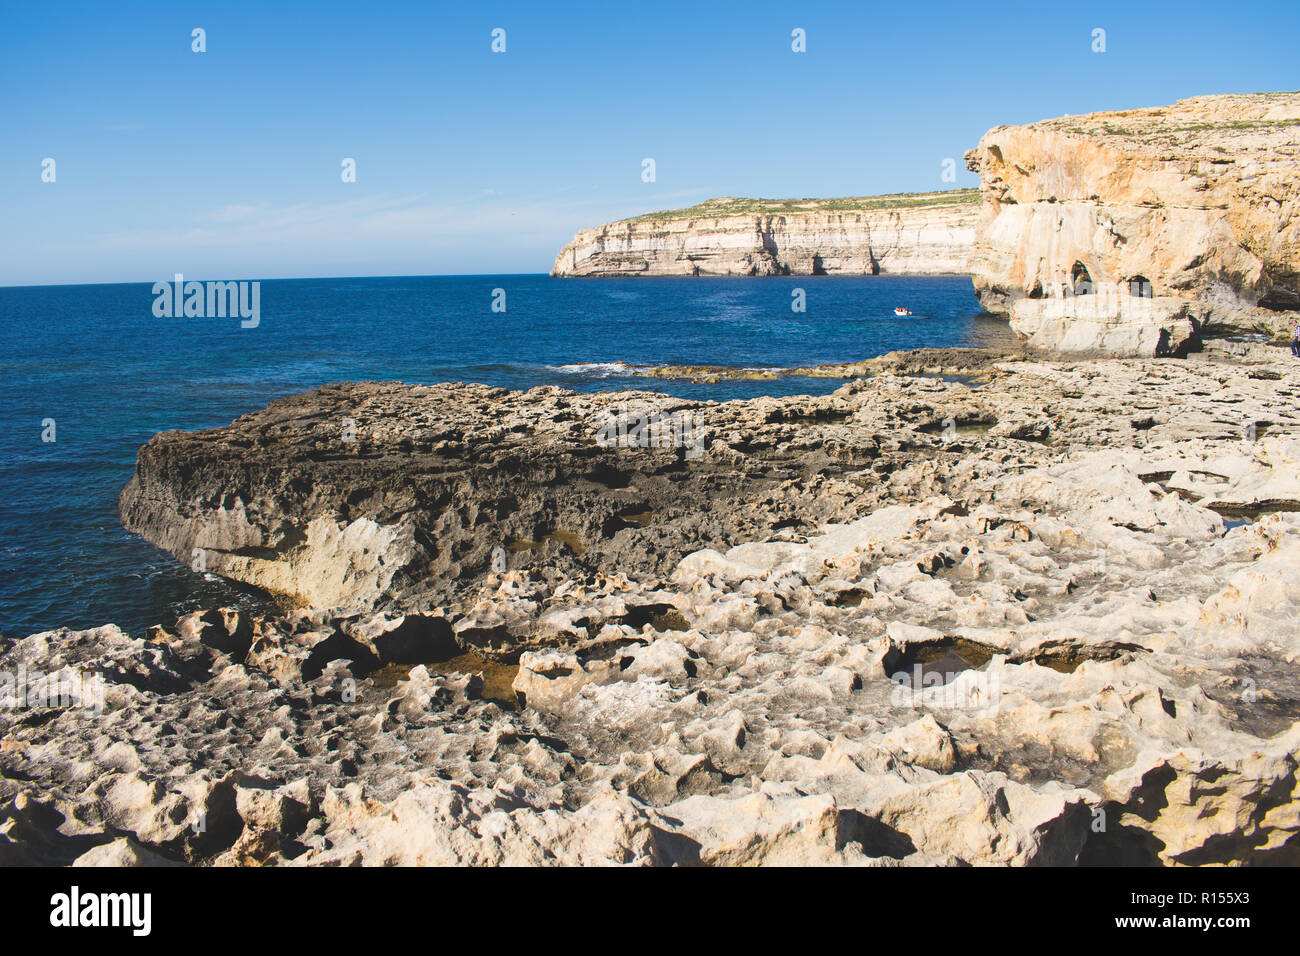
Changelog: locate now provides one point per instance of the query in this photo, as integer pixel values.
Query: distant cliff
(1174, 220)
(909, 233)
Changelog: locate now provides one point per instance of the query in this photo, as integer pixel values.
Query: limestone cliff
(914, 233)
(1176, 219)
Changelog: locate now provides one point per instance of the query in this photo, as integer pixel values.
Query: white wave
(597, 369)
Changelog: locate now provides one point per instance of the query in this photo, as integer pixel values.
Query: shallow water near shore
(96, 361)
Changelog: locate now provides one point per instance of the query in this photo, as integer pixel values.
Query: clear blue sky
(226, 164)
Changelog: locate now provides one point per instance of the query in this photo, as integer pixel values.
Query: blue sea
(96, 361)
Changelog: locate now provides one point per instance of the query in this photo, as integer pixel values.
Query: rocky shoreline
(1125, 232)
(967, 363)
(1043, 614)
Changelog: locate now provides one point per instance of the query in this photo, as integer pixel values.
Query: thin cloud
(380, 217)
(237, 212)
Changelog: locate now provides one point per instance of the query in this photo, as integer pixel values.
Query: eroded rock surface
(1045, 620)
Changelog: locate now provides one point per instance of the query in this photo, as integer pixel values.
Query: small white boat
(902, 311)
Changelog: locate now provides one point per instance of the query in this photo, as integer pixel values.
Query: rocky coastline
(907, 234)
(1026, 606)
(1129, 232)
(1043, 614)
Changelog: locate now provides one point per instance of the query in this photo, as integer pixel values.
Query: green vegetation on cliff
(1189, 123)
(728, 206)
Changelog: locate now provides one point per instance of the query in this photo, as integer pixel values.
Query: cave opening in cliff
(1280, 299)
(1081, 279)
(1140, 287)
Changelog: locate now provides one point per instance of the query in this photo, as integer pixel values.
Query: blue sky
(226, 164)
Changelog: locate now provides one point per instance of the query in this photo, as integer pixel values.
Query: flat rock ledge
(1047, 619)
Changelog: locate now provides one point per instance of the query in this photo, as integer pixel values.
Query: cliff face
(917, 234)
(1175, 219)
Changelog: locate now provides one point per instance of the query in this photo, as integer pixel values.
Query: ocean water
(96, 361)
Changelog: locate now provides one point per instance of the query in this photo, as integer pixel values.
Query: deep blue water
(95, 360)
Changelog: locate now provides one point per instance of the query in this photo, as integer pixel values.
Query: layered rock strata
(1049, 619)
(909, 234)
(1136, 231)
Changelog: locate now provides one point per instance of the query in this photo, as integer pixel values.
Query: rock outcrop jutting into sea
(1175, 219)
(911, 234)
(1048, 620)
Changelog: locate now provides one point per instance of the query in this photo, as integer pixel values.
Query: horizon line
(430, 275)
(489, 275)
